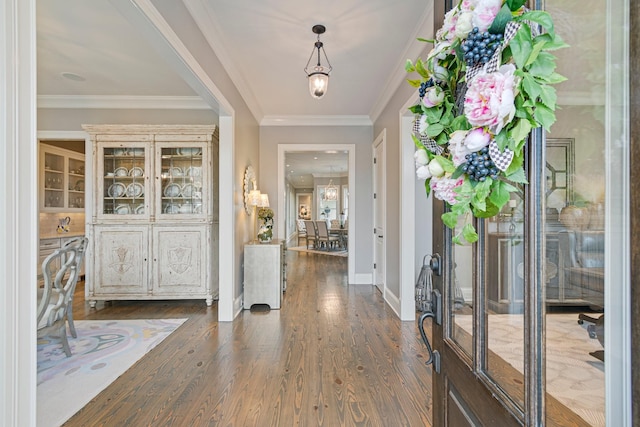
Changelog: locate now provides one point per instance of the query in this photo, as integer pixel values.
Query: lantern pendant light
(318, 74)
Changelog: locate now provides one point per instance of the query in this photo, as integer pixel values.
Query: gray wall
(362, 137)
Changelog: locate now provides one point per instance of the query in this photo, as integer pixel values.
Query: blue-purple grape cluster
(422, 90)
(479, 47)
(479, 165)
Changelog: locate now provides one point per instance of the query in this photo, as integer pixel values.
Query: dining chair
(80, 243)
(302, 230)
(312, 232)
(57, 294)
(324, 236)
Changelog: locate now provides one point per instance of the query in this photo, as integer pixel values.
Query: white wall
(362, 137)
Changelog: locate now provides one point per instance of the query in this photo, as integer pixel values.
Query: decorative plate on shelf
(172, 190)
(194, 171)
(175, 171)
(135, 189)
(136, 171)
(172, 208)
(117, 190)
(188, 190)
(139, 210)
(122, 210)
(79, 185)
(119, 152)
(189, 151)
(121, 171)
(136, 151)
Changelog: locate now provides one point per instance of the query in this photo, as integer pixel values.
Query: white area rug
(332, 252)
(574, 377)
(103, 351)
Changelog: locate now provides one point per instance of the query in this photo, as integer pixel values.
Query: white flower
(464, 25)
(423, 172)
(457, 147)
(477, 139)
(421, 157)
(435, 168)
(433, 96)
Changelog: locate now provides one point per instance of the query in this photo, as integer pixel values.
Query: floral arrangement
(483, 87)
(266, 229)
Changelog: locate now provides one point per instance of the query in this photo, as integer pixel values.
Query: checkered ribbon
(428, 143)
(502, 159)
(494, 63)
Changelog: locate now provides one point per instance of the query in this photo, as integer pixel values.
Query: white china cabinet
(154, 221)
(61, 180)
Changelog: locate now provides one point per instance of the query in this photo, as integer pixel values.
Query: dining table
(342, 233)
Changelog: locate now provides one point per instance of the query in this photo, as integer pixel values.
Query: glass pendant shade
(331, 192)
(318, 74)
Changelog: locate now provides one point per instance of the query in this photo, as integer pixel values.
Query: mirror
(250, 184)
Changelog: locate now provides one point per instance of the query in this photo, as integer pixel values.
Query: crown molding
(123, 102)
(316, 121)
(413, 49)
(211, 31)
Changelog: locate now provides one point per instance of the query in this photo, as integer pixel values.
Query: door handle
(435, 263)
(436, 315)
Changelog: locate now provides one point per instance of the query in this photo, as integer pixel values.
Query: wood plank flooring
(334, 355)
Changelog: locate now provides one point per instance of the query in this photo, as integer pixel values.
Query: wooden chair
(312, 233)
(56, 297)
(323, 235)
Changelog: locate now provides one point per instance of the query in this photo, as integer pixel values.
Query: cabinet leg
(92, 303)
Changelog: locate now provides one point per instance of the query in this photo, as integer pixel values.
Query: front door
(517, 333)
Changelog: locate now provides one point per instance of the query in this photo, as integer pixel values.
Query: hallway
(333, 355)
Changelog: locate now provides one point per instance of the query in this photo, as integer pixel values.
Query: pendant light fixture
(331, 191)
(318, 74)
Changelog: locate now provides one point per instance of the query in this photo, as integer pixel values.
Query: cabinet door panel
(179, 256)
(121, 260)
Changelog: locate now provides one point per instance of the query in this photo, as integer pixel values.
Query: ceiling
(263, 44)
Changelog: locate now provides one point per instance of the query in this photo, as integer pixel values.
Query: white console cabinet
(264, 273)
(155, 215)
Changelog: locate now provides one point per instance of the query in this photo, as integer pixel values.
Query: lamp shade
(318, 83)
(264, 201)
(254, 198)
(318, 74)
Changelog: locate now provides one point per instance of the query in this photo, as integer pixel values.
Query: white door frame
(380, 187)
(351, 152)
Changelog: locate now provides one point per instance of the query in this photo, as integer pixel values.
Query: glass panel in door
(575, 221)
(123, 181)
(181, 172)
(461, 296)
(76, 183)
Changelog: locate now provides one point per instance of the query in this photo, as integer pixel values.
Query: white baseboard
(393, 301)
(363, 279)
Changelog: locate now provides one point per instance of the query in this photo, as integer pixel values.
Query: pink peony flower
(489, 100)
(485, 12)
(443, 188)
(477, 139)
(448, 29)
(434, 96)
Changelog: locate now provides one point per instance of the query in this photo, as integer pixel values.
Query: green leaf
(518, 176)
(521, 130)
(416, 109)
(421, 70)
(500, 194)
(469, 233)
(530, 86)
(549, 97)
(450, 219)
(414, 83)
(516, 164)
(555, 78)
(409, 67)
(545, 116)
(502, 139)
(434, 130)
(537, 48)
(490, 210)
(501, 20)
(433, 114)
(539, 17)
(544, 65)
(521, 46)
(458, 172)
(420, 39)
(427, 187)
(514, 5)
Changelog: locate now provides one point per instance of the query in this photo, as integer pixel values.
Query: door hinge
(374, 231)
(375, 195)
(375, 160)
(374, 265)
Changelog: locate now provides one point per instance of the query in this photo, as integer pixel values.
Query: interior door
(378, 217)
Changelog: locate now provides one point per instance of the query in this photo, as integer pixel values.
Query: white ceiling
(263, 44)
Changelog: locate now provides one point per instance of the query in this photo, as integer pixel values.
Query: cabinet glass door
(182, 190)
(76, 184)
(53, 181)
(124, 181)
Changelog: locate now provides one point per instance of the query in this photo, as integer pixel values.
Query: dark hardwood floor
(334, 355)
